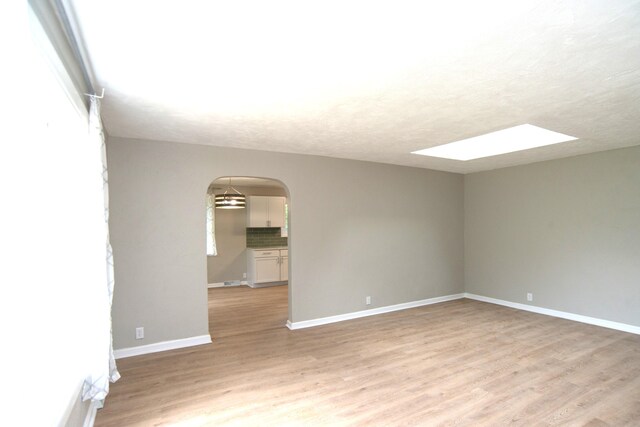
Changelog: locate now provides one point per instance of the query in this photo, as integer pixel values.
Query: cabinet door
(284, 268)
(267, 269)
(258, 212)
(276, 211)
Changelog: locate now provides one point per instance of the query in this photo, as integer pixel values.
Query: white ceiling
(368, 80)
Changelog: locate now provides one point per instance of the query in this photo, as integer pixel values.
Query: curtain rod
(93, 95)
(62, 9)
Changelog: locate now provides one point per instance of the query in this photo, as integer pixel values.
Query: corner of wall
(80, 413)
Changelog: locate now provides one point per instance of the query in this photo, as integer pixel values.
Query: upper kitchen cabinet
(265, 211)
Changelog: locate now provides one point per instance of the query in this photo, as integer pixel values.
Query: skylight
(517, 138)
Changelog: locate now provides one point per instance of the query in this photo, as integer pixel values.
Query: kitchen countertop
(276, 248)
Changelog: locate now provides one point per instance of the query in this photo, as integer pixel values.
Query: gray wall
(231, 237)
(566, 230)
(356, 229)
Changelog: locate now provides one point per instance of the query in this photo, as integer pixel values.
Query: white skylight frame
(517, 138)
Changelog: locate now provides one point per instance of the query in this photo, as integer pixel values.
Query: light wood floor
(456, 363)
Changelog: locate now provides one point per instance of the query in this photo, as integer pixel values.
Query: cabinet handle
(268, 223)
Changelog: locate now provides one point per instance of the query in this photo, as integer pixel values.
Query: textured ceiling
(368, 80)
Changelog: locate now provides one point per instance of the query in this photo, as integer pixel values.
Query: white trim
(90, 418)
(222, 285)
(561, 314)
(371, 312)
(267, 284)
(162, 346)
(77, 404)
(75, 400)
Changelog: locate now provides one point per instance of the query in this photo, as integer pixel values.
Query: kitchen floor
(239, 310)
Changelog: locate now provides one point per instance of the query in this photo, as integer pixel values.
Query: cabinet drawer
(258, 254)
(284, 252)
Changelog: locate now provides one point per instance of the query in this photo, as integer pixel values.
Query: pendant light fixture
(231, 199)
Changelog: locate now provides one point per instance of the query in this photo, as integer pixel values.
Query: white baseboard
(90, 419)
(162, 346)
(561, 314)
(267, 285)
(222, 285)
(370, 312)
(534, 309)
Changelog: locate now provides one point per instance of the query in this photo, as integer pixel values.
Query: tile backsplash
(261, 237)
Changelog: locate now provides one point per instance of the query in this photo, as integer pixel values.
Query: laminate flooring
(463, 363)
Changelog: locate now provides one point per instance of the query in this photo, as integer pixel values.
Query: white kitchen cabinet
(276, 211)
(267, 266)
(265, 211)
(284, 265)
(257, 211)
(267, 269)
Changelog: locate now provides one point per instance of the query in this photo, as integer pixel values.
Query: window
(211, 225)
(284, 231)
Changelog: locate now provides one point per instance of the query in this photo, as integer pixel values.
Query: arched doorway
(248, 261)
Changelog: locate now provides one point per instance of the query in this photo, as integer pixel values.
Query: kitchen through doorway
(247, 255)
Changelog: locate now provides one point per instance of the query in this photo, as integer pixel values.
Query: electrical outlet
(244, 275)
(529, 296)
(367, 300)
(139, 333)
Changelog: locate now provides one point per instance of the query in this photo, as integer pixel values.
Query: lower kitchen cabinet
(284, 265)
(267, 266)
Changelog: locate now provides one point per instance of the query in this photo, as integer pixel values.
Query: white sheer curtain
(96, 386)
(212, 250)
(55, 303)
